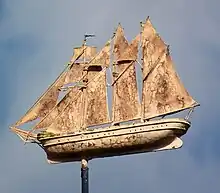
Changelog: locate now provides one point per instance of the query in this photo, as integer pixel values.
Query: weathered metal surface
(96, 87)
(125, 104)
(89, 53)
(163, 91)
(103, 57)
(120, 43)
(67, 136)
(44, 104)
(74, 74)
(96, 111)
(68, 115)
(131, 51)
(115, 141)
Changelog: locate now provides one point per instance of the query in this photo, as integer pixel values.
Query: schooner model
(98, 118)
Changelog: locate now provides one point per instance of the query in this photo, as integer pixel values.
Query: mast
(163, 93)
(125, 104)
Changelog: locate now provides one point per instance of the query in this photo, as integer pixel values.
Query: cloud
(36, 40)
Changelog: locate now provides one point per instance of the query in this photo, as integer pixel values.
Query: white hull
(116, 140)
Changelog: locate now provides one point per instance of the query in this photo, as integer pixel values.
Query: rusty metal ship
(108, 107)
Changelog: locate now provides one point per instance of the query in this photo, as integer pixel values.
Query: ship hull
(144, 137)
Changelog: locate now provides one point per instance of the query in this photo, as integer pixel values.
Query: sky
(37, 40)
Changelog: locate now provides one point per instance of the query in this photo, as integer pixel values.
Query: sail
(163, 93)
(97, 109)
(131, 51)
(103, 57)
(125, 104)
(49, 99)
(69, 115)
(120, 42)
(78, 108)
(88, 53)
(96, 91)
(89, 95)
(45, 103)
(74, 74)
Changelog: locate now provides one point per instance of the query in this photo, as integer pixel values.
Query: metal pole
(84, 176)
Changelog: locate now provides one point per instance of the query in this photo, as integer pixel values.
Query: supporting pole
(84, 176)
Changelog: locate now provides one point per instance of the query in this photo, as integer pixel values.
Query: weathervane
(82, 126)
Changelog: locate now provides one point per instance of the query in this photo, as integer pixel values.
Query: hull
(149, 136)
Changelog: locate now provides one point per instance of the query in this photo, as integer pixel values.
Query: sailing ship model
(95, 118)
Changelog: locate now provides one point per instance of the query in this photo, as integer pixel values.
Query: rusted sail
(49, 99)
(163, 92)
(120, 43)
(97, 109)
(74, 74)
(69, 113)
(94, 95)
(82, 107)
(45, 103)
(131, 51)
(153, 48)
(88, 53)
(103, 57)
(125, 95)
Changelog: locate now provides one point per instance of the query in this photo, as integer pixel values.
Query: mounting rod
(84, 176)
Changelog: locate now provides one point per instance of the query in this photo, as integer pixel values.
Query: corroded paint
(45, 103)
(162, 91)
(120, 43)
(131, 51)
(88, 53)
(103, 57)
(116, 142)
(68, 114)
(96, 110)
(125, 104)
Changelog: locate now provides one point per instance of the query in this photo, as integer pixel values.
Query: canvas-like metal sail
(45, 103)
(76, 70)
(120, 42)
(94, 96)
(87, 55)
(163, 92)
(68, 118)
(103, 57)
(131, 51)
(49, 99)
(97, 109)
(74, 74)
(125, 104)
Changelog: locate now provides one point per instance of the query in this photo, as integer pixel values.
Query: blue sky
(36, 41)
